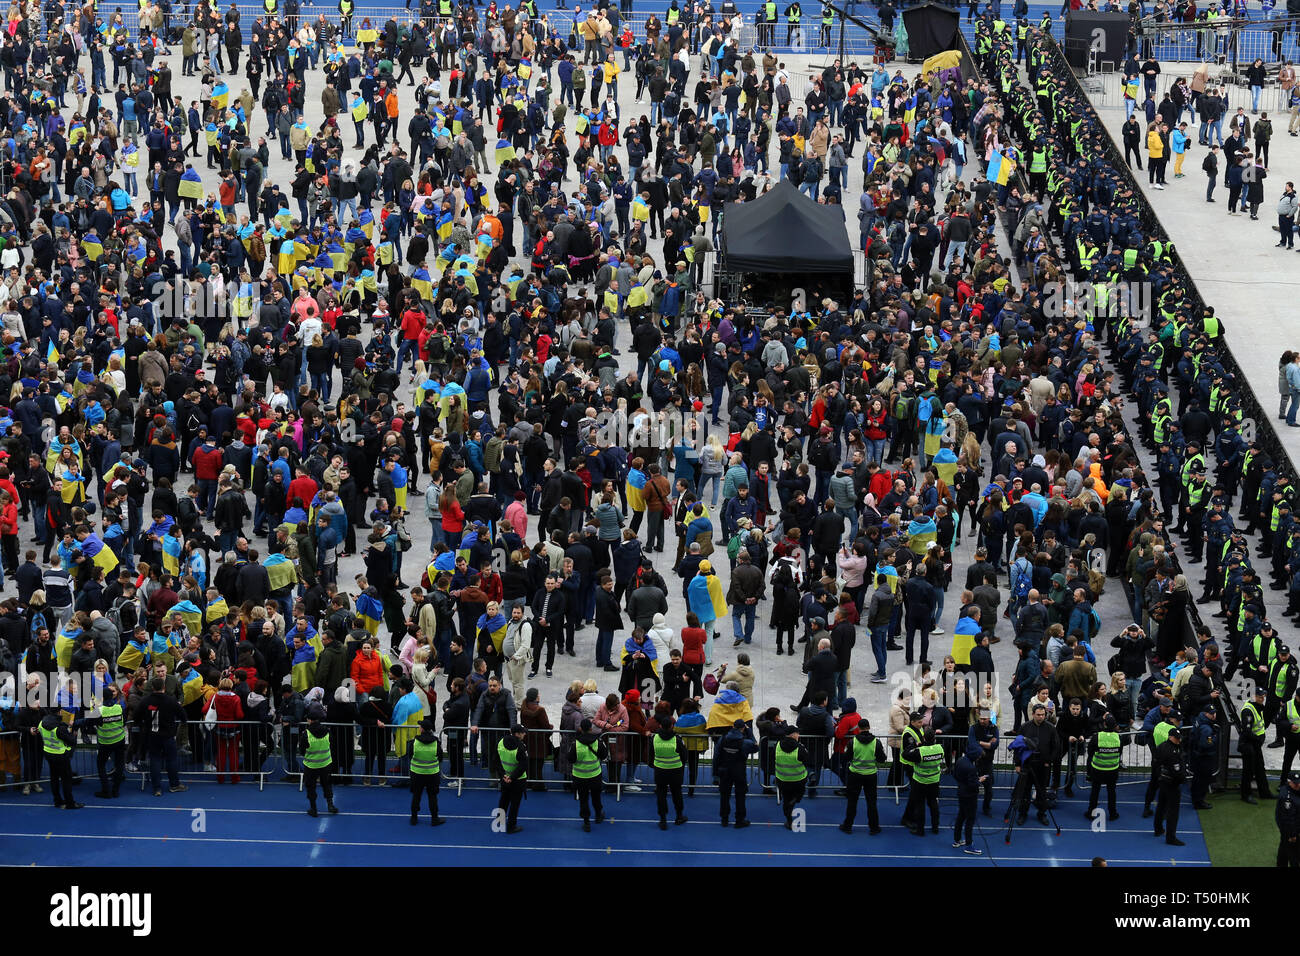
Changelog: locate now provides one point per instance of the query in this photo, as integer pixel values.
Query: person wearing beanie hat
(512, 754)
(317, 760)
(587, 753)
(668, 757)
(729, 759)
(424, 756)
(864, 757)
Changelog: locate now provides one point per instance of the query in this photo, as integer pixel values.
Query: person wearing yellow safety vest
(59, 742)
(1155, 731)
(512, 754)
(668, 756)
(1104, 750)
(110, 739)
(926, 757)
(791, 773)
(346, 8)
(793, 14)
(1250, 744)
(586, 754)
(1281, 686)
(1290, 721)
(866, 755)
(317, 760)
(424, 755)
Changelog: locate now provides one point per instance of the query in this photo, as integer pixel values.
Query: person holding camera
(1042, 750)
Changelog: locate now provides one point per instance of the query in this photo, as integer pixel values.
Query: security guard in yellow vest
(767, 25)
(110, 738)
(668, 756)
(586, 754)
(927, 763)
(865, 757)
(317, 760)
(512, 754)
(912, 734)
(1290, 734)
(425, 756)
(828, 20)
(59, 743)
(345, 11)
(791, 773)
(1250, 744)
(1165, 721)
(793, 14)
(1281, 686)
(270, 7)
(1104, 749)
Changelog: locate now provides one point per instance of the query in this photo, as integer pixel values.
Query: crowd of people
(195, 477)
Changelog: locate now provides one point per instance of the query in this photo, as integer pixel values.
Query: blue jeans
(716, 481)
(879, 639)
(938, 605)
(810, 189)
(408, 347)
(841, 685)
(1254, 98)
(207, 496)
(1291, 409)
(743, 613)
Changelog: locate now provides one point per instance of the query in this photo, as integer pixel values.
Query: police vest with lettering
(1106, 755)
(424, 758)
(931, 765)
(1257, 725)
(112, 726)
(666, 756)
(586, 762)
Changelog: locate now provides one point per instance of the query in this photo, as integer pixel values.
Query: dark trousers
(512, 794)
(1153, 783)
(325, 778)
(1252, 769)
(117, 754)
(424, 783)
(727, 784)
(965, 817)
(666, 780)
(791, 792)
(1288, 755)
(544, 635)
(1102, 778)
(1168, 801)
(856, 784)
(60, 778)
(920, 796)
(589, 791)
(1288, 852)
(162, 751)
(1034, 774)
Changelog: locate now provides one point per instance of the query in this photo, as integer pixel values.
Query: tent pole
(841, 56)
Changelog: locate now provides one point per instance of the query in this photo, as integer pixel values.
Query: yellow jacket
(1155, 145)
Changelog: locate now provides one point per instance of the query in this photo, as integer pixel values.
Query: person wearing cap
(1159, 720)
(730, 770)
(1281, 686)
(791, 773)
(926, 757)
(1105, 748)
(668, 755)
(866, 755)
(586, 754)
(512, 754)
(317, 760)
(1250, 744)
(1170, 771)
(424, 756)
(1287, 817)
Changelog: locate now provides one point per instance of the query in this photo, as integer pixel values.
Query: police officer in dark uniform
(1250, 744)
(669, 755)
(1171, 772)
(59, 743)
(587, 754)
(512, 755)
(424, 755)
(729, 768)
(1281, 687)
(110, 739)
(1204, 750)
(1287, 817)
(866, 755)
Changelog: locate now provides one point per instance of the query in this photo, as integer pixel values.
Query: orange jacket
(367, 672)
(390, 104)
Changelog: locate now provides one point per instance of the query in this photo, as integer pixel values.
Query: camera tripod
(1019, 792)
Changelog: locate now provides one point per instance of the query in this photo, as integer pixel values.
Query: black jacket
(1168, 763)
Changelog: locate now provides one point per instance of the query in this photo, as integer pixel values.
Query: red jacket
(412, 323)
(303, 487)
(693, 645)
(9, 519)
(228, 706)
(207, 462)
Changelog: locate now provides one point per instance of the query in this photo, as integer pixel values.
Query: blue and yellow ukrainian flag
(422, 283)
(171, 554)
(190, 613)
(371, 611)
(280, 570)
(92, 247)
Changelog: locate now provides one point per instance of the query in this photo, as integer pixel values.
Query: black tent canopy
(785, 231)
(931, 28)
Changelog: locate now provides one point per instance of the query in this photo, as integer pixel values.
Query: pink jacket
(517, 515)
